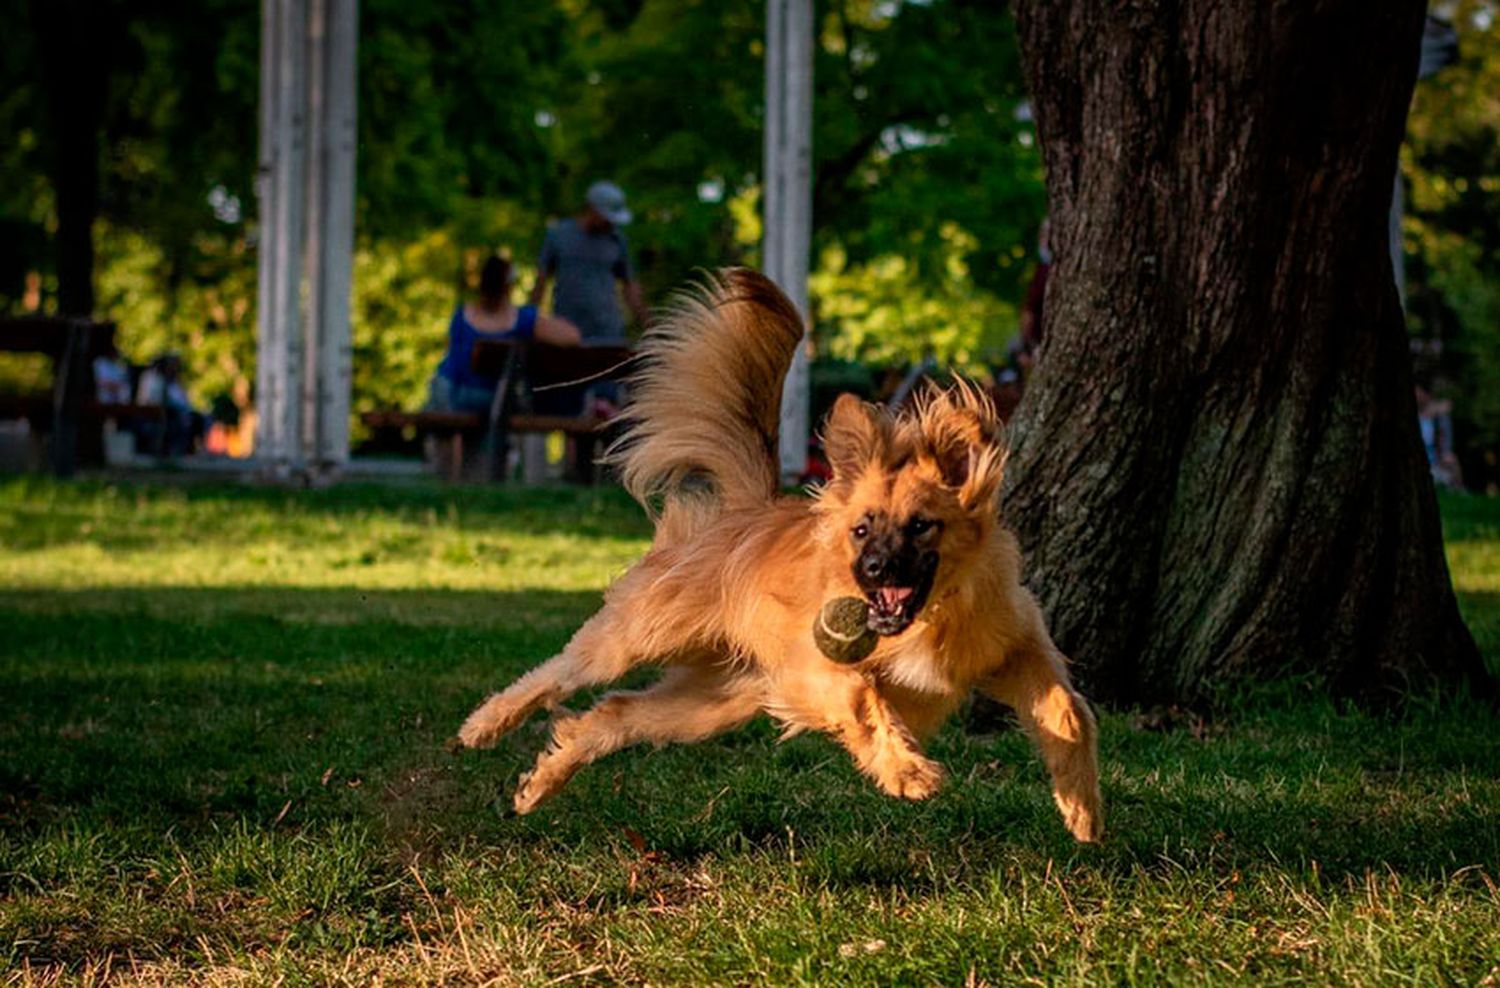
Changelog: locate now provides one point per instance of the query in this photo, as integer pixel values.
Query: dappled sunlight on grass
(228, 765)
(1471, 527)
(103, 537)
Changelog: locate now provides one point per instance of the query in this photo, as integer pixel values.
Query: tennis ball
(842, 631)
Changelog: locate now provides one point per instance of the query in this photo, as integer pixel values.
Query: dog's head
(913, 498)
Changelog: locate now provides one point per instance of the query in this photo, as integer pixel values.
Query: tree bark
(72, 52)
(1217, 473)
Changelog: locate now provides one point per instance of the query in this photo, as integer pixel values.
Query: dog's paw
(490, 721)
(536, 787)
(529, 796)
(476, 732)
(915, 778)
(1085, 821)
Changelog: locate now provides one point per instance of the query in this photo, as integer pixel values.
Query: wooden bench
(521, 367)
(72, 344)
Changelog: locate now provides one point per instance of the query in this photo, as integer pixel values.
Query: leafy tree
(1451, 165)
(481, 121)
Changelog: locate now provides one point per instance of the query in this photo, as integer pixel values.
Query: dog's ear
(961, 438)
(854, 436)
(951, 438)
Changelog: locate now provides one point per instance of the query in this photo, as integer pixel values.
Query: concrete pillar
(333, 29)
(787, 195)
(306, 192)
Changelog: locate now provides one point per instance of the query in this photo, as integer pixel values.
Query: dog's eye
(919, 526)
(861, 530)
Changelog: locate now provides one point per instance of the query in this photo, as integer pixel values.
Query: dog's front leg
(1034, 682)
(604, 649)
(811, 693)
(689, 704)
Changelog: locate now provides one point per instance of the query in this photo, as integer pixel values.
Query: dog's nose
(873, 567)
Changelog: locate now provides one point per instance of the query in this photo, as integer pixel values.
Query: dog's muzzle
(895, 585)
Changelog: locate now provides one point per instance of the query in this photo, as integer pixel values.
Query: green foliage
(1451, 164)
(226, 765)
(208, 318)
(876, 312)
(480, 122)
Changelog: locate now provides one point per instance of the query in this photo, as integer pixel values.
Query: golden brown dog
(727, 596)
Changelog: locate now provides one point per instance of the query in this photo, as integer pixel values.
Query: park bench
(522, 368)
(70, 415)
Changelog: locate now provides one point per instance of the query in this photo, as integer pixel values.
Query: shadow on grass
(194, 717)
(1481, 612)
(1468, 517)
(523, 611)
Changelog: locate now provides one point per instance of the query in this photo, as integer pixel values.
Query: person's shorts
(444, 396)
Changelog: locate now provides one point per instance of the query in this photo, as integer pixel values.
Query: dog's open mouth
(888, 602)
(893, 609)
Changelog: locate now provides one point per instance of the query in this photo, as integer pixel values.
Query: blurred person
(587, 259)
(111, 376)
(112, 387)
(1024, 349)
(587, 256)
(456, 386)
(161, 386)
(1006, 393)
(1435, 420)
(223, 421)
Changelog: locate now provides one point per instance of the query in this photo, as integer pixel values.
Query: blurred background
(480, 122)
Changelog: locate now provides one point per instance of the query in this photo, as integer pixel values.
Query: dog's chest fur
(914, 665)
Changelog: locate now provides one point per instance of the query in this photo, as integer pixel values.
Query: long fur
(737, 575)
(708, 398)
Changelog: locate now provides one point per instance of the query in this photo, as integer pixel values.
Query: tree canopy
(1451, 169)
(479, 123)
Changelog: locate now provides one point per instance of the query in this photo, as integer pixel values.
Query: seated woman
(457, 387)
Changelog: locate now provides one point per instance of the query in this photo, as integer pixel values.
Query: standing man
(587, 255)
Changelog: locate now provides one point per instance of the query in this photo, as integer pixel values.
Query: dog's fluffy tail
(707, 401)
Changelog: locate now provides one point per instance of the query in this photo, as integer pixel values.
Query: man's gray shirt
(586, 267)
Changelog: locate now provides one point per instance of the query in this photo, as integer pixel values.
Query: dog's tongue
(892, 598)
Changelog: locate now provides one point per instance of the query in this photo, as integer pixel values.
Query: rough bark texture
(1217, 472)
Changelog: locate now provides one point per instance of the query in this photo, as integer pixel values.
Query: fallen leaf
(855, 949)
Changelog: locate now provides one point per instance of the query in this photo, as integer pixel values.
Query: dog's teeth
(893, 597)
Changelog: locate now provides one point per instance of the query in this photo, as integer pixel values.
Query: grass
(222, 763)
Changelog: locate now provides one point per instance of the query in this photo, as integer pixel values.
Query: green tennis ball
(842, 631)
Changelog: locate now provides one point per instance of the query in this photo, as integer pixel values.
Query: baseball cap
(609, 200)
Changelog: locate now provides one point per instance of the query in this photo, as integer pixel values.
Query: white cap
(608, 200)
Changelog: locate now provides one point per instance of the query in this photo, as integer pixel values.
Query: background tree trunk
(1217, 471)
(73, 54)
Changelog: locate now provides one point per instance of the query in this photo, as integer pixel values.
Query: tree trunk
(1217, 473)
(71, 43)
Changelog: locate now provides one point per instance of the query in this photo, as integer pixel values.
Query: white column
(786, 184)
(281, 190)
(333, 26)
(306, 211)
(266, 232)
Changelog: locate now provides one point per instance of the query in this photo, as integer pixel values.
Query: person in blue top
(457, 387)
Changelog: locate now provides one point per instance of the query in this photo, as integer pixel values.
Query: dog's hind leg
(689, 704)
(1035, 684)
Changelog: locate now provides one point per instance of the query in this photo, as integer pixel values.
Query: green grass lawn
(222, 761)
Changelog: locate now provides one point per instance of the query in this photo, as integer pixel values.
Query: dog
(726, 598)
